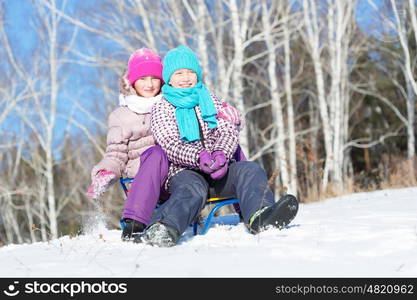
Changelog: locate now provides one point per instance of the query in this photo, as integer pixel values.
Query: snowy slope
(360, 235)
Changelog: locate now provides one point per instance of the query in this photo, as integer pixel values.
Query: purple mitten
(219, 160)
(100, 184)
(205, 162)
(219, 174)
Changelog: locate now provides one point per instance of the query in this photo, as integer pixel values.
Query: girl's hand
(229, 114)
(100, 184)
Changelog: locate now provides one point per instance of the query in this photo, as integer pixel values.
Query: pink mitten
(101, 183)
(229, 114)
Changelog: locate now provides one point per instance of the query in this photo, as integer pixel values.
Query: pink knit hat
(143, 62)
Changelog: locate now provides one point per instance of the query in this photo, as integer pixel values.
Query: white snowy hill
(359, 235)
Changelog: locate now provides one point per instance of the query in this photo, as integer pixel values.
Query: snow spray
(95, 221)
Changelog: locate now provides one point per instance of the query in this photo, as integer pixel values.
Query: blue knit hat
(181, 57)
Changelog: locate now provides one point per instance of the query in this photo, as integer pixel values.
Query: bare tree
(403, 23)
(292, 151)
(315, 47)
(401, 29)
(41, 116)
(333, 104)
(240, 26)
(340, 20)
(277, 106)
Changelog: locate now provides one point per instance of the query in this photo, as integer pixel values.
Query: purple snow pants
(147, 186)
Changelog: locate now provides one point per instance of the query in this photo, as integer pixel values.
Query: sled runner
(206, 223)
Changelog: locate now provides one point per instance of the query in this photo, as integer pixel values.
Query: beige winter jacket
(129, 135)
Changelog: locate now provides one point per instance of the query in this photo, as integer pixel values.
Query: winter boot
(158, 234)
(277, 215)
(131, 227)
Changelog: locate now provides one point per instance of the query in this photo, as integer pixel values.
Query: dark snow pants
(190, 189)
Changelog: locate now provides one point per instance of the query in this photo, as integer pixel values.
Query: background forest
(327, 87)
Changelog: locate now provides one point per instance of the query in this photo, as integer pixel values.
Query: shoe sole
(284, 212)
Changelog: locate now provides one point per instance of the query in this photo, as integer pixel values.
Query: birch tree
(240, 25)
(288, 92)
(402, 28)
(315, 46)
(339, 36)
(42, 118)
(332, 104)
(277, 107)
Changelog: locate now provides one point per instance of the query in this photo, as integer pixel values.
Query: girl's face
(148, 86)
(183, 78)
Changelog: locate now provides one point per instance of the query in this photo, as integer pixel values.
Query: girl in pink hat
(131, 151)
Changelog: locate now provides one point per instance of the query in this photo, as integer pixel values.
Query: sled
(206, 223)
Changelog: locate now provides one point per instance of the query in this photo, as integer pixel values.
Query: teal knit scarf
(185, 100)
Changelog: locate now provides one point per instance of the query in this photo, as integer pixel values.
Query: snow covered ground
(360, 235)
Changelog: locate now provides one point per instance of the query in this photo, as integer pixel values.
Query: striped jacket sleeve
(165, 131)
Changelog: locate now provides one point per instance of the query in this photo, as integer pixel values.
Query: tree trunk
(49, 170)
(238, 33)
(277, 115)
(410, 130)
(290, 106)
(202, 43)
